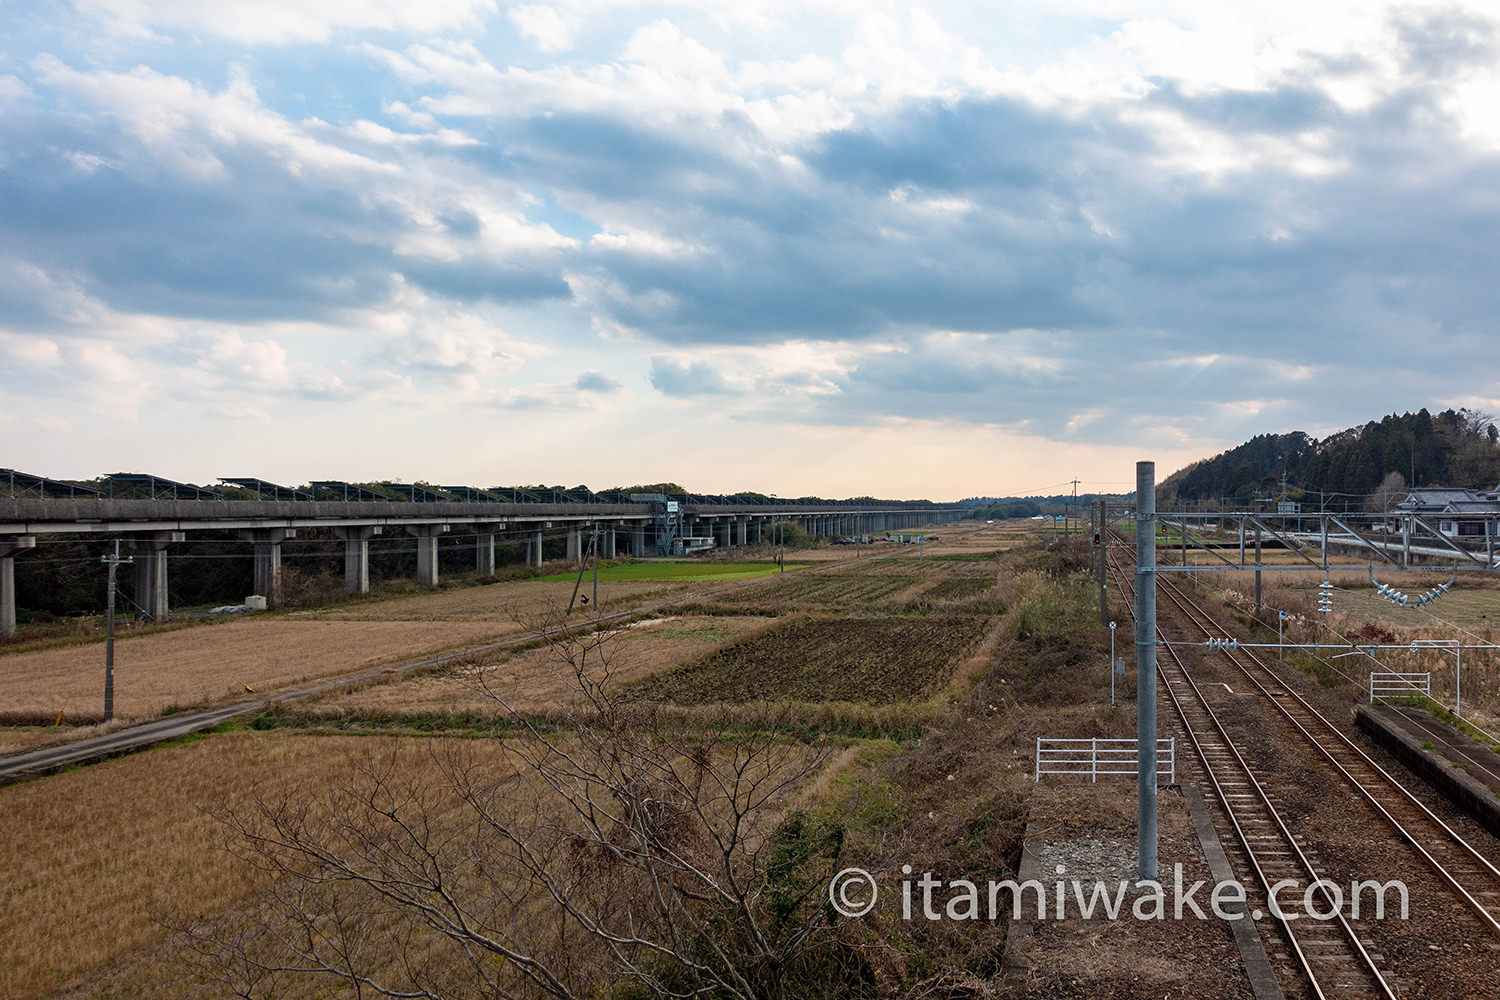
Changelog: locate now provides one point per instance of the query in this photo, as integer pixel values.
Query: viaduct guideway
(151, 527)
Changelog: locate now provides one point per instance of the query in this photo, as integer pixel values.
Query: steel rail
(1362, 787)
(1266, 880)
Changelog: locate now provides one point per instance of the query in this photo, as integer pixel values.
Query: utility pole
(1067, 523)
(1145, 664)
(579, 581)
(1102, 530)
(1257, 571)
(114, 562)
(596, 570)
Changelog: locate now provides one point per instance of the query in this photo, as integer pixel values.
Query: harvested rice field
(202, 666)
(536, 681)
(958, 588)
(870, 660)
(76, 903)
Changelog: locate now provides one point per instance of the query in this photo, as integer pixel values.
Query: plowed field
(873, 660)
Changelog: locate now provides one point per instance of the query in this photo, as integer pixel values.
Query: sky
(817, 247)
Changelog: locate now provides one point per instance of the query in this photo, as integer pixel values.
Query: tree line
(1459, 448)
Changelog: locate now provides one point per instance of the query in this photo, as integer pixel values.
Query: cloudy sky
(825, 246)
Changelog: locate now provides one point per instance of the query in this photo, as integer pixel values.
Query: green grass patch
(675, 569)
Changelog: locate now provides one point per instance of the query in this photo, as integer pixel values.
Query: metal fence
(1094, 757)
(1392, 685)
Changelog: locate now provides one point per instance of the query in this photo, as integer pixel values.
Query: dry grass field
(98, 866)
(202, 666)
(92, 860)
(216, 663)
(501, 603)
(871, 660)
(534, 681)
(974, 539)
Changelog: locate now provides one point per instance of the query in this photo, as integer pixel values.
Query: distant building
(1457, 513)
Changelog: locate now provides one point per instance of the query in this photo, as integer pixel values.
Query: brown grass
(866, 660)
(89, 916)
(90, 859)
(206, 665)
(532, 681)
(500, 603)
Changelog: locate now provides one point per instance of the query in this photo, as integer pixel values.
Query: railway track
(1334, 958)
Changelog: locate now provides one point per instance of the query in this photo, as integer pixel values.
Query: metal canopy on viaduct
(149, 527)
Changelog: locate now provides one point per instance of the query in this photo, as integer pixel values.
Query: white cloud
(550, 29)
(262, 362)
(189, 127)
(281, 21)
(31, 351)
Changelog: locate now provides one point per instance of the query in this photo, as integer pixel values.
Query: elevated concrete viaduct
(150, 527)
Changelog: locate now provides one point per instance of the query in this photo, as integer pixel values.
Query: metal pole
(596, 568)
(1323, 519)
(1257, 571)
(114, 562)
(109, 641)
(1111, 664)
(1103, 574)
(1458, 694)
(1145, 664)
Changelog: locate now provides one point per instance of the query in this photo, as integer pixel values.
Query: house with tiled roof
(1455, 512)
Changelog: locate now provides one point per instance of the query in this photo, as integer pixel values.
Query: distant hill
(1454, 448)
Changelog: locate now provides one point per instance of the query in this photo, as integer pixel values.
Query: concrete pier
(268, 560)
(484, 548)
(427, 536)
(149, 552)
(357, 556)
(534, 549)
(9, 548)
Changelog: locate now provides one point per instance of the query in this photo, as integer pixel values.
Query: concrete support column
(534, 549)
(268, 560)
(575, 545)
(357, 556)
(8, 551)
(484, 548)
(150, 555)
(638, 539)
(607, 540)
(427, 536)
(742, 530)
(721, 533)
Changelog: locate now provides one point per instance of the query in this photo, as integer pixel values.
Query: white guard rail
(1392, 685)
(1094, 757)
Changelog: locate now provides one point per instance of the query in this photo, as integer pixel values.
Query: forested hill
(1453, 448)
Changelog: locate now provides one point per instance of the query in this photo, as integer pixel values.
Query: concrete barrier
(1473, 796)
